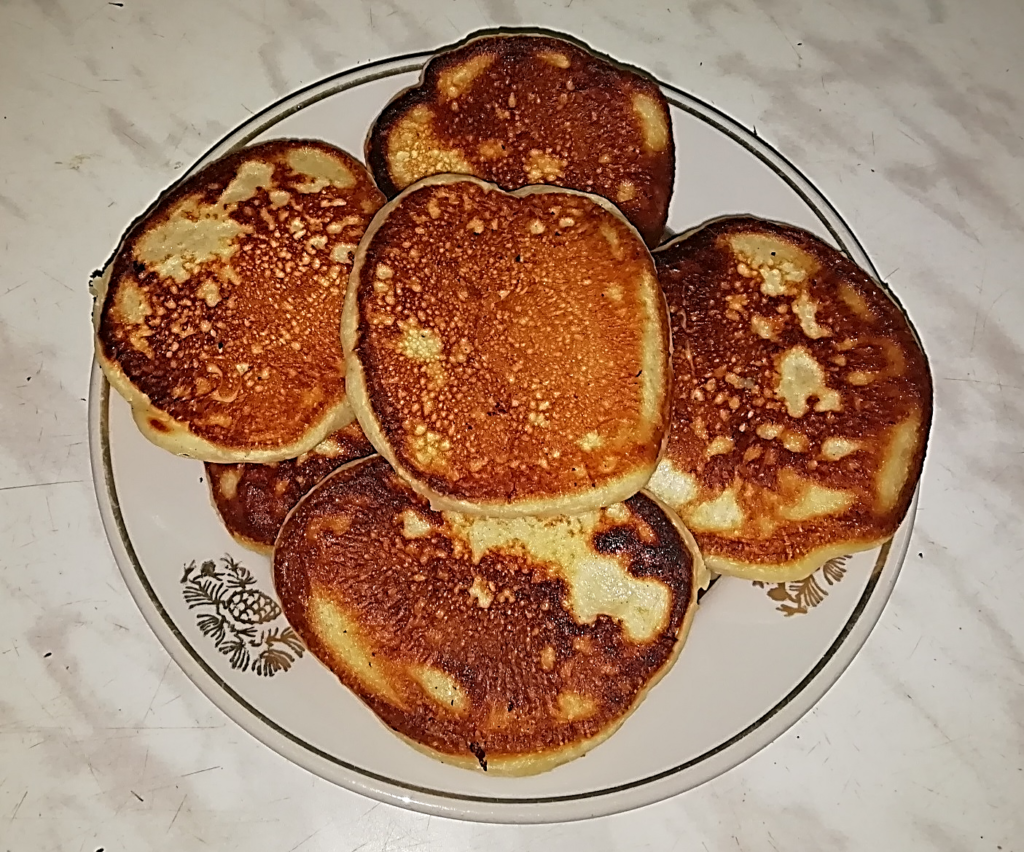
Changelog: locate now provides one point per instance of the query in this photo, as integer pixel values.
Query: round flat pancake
(505, 645)
(254, 499)
(802, 400)
(508, 353)
(525, 109)
(218, 320)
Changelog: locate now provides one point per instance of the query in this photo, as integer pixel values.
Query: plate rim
(544, 809)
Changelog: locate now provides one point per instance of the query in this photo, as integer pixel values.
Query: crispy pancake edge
(544, 761)
(803, 567)
(172, 435)
(355, 379)
(376, 160)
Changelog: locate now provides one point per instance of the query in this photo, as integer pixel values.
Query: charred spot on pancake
(521, 109)
(479, 754)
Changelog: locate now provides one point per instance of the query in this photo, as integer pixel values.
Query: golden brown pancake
(254, 499)
(218, 320)
(510, 645)
(802, 400)
(526, 109)
(508, 353)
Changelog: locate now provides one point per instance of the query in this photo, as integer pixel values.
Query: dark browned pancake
(525, 109)
(508, 353)
(218, 320)
(802, 400)
(254, 499)
(507, 645)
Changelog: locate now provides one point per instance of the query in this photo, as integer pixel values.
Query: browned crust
(254, 499)
(718, 360)
(588, 123)
(410, 602)
(539, 341)
(250, 368)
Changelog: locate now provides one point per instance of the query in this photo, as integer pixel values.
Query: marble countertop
(909, 114)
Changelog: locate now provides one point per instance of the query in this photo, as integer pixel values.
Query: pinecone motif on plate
(251, 606)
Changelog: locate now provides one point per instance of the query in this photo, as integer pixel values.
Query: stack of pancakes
(489, 438)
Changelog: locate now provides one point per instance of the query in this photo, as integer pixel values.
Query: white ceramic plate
(757, 658)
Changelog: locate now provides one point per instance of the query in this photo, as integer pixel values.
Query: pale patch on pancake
(414, 150)
(336, 525)
(653, 125)
(834, 449)
(414, 525)
(855, 301)
(340, 635)
(343, 252)
(625, 192)
(420, 344)
(899, 454)
(720, 514)
(766, 328)
(250, 177)
(573, 706)
(673, 486)
(228, 483)
(800, 378)
(780, 266)
(481, 593)
(192, 235)
(456, 81)
(491, 149)
(440, 687)
(430, 449)
(795, 442)
(328, 448)
(195, 233)
(553, 57)
(599, 584)
(547, 658)
(719, 446)
(209, 292)
(132, 305)
(320, 169)
(813, 500)
(806, 309)
(541, 167)
(590, 442)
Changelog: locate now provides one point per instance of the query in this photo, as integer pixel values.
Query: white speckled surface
(909, 114)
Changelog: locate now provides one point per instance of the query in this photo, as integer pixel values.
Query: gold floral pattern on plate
(798, 597)
(238, 617)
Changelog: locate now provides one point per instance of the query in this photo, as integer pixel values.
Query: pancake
(218, 320)
(527, 109)
(508, 353)
(254, 499)
(510, 646)
(802, 400)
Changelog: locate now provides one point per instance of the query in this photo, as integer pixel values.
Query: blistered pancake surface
(518, 110)
(507, 645)
(802, 400)
(509, 354)
(254, 499)
(220, 320)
